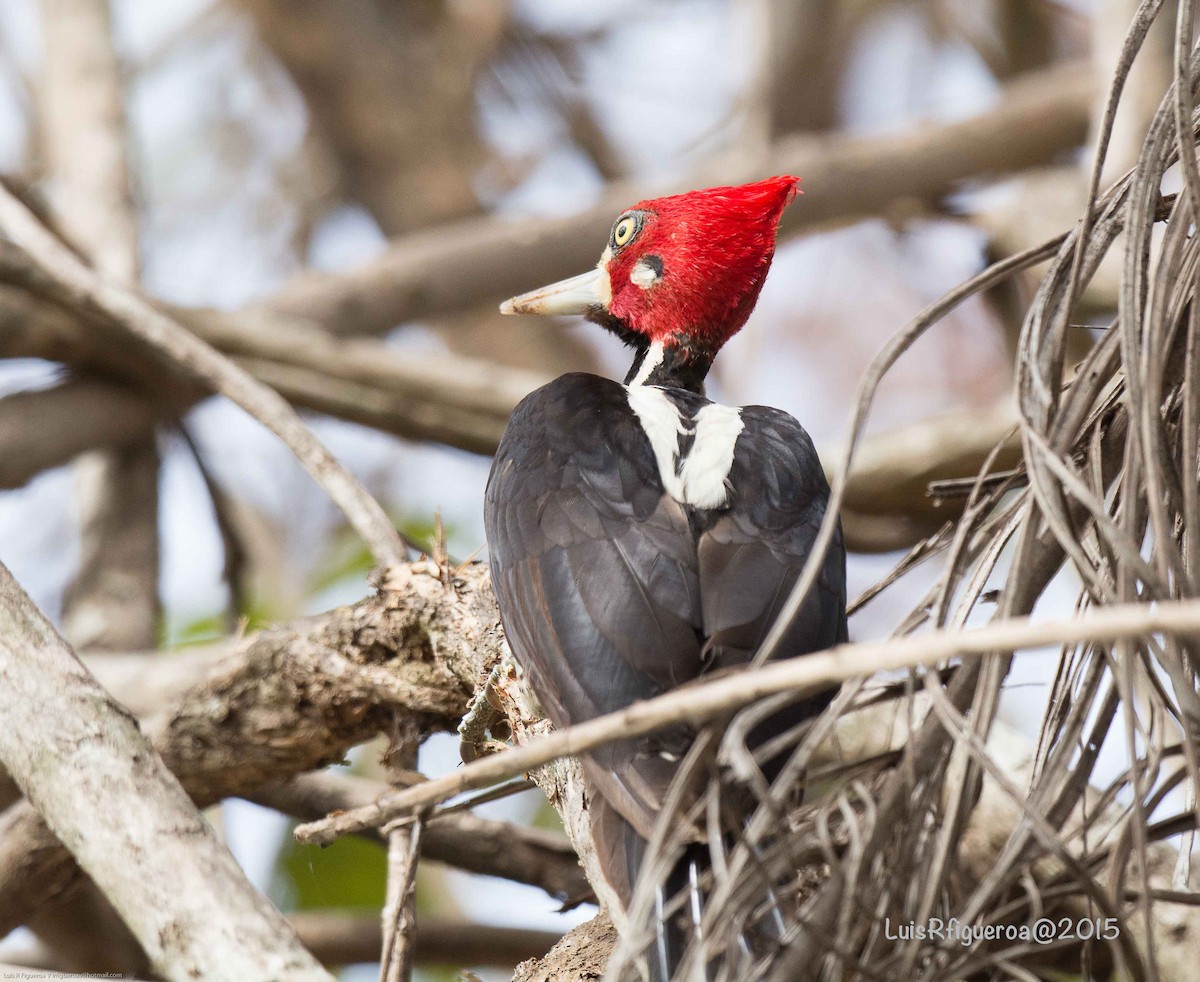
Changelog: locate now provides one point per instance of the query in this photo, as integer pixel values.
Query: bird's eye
(624, 230)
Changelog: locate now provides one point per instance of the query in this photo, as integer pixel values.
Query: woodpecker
(641, 535)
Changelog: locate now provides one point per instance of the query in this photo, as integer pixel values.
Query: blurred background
(385, 171)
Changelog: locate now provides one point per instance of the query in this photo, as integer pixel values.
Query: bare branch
(1149, 77)
(887, 508)
(398, 920)
(186, 899)
(845, 178)
(73, 417)
(113, 601)
(582, 953)
(289, 700)
(83, 127)
(888, 505)
(799, 676)
(337, 938)
(125, 310)
(526, 855)
(400, 115)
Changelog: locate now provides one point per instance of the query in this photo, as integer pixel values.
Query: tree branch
(888, 506)
(113, 601)
(132, 316)
(292, 699)
(800, 677)
(459, 266)
(400, 116)
(525, 855)
(343, 939)
(462, 401)
(185, 899)
(581, 953)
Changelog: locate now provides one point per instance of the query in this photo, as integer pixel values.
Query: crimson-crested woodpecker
(641, 535)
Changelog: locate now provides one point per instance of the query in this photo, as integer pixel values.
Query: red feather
(716, 246)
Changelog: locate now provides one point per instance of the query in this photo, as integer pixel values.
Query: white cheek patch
(644, 275)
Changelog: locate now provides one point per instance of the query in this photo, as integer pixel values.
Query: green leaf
(351, 873)
(347, 557)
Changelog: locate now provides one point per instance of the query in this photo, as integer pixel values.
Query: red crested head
(693, 267)
(684, 270)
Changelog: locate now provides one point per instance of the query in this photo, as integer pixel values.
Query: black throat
(683, 364)
(675, 366)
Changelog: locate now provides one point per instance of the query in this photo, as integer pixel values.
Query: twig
(128, 312)
(398, 918)
(235, 569)
(799, 676)
(538, 857)
(338, 938)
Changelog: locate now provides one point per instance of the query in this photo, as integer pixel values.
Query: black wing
(752, 552)
(595, 571)
(611, 591)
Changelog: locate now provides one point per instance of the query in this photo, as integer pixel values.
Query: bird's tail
(679, 904)
(679, 900)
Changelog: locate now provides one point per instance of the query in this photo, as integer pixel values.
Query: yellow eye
(624, 230)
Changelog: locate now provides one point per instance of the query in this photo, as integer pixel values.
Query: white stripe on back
(706, 467)
(701, 481)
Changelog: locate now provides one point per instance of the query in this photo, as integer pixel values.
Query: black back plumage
(610, 590)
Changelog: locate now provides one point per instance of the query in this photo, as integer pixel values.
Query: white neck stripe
(654, 357)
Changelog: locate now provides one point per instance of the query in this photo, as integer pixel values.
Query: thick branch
(72, 418)
(185, 899)
(461, 401)
(845, 178)
(400, 115)
(113, 601)
(582, 953)
(887, 505)
(83, 127)
(290, 700)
